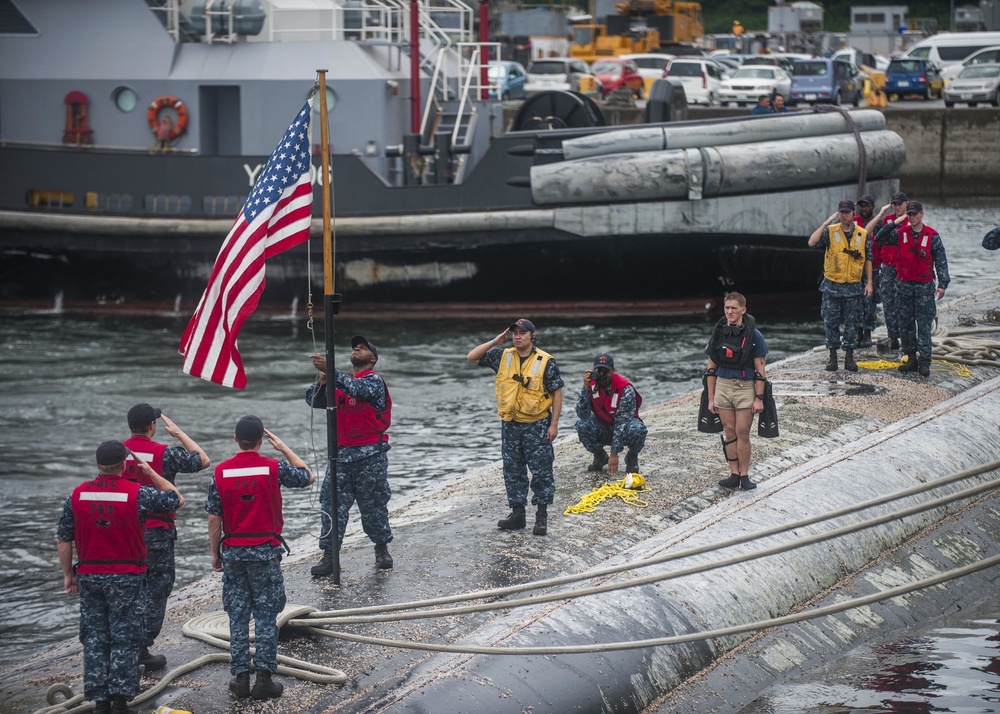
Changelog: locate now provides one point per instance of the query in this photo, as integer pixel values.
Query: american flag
(276, 216)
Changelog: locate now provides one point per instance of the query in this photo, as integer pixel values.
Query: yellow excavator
(641, 26)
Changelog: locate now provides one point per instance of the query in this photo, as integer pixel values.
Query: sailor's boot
(924, 369)
(865, 339)
(894, 343)
(910, 365)
(324, 566)
(831, 365)
(849, 364)
(151, 662)
(265, 687)
(102, 707)
(119, 704)
(632, 462)
(541, 520)
(239, 686)
(600, 459)
(513, 522)
(383, 561)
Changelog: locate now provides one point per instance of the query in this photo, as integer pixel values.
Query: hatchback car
(908, 76)
(987, 55)
(748, 83)
(615, 73)
(976, 84)
(826, 81)
(700, 76)
(506, 80)
(557, 73)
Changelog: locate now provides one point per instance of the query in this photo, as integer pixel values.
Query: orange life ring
(153, 115)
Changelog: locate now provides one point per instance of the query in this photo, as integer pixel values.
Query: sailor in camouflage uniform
(608, 409)
(103, 519)
(869, 317)
(364, 413)
(847, 261)
(529, 401)
(887, 254)
(244, 535)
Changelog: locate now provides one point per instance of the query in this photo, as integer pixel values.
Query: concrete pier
(845, 438)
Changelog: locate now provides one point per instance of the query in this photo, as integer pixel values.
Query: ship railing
(362, 21)
(171, 10)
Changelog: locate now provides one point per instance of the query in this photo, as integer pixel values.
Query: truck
(641, 26)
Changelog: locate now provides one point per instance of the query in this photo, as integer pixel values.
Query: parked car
(730, 63)
(650, 67)
(862, 59)
(947, 48)
(768, 60)
(984, 56)
(563, 73)
(833, 81)
(748, 83)
(908, 76)
(615, 73)
(506, 80)
(700, 76)
(977, 83)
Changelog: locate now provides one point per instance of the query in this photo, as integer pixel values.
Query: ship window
(125, 99)
(108, 202)
(162, 203)
(222, 205)
(46, 198)
(331, 100)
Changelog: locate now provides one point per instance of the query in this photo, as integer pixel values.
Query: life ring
(153, 115)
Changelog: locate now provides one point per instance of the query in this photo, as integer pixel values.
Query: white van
(947, 48)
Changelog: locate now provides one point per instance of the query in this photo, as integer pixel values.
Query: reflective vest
(605, 405)
(107, 527)
(887, 253)
(152, 453)
(358, 422)
(914, 262)
(520, 387)
(732, 345)
(251, 500)
(845, 257)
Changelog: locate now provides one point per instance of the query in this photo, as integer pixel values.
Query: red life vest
(107, 527)
(251, 500)
(152, 453)
(358, 422)
(887, 253)
(605, 405)
(914, 262)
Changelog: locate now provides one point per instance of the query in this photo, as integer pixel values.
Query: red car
(614, 73)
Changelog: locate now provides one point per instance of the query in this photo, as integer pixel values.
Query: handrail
(431, 96)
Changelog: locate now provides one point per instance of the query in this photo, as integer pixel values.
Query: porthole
(125, 99)
(331, 100)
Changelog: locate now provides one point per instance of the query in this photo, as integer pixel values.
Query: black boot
(894, 343)
(383, 561)
(513, 522)
(732, 482)
(119, 704)
(632, 462)
(865, 339)
(541, 520)
(831, 365)
(849, 364)
(150, 661)
(239, 686)
(910, 365)
(600, 459)
(924, 369)
(746, 484)
(102, 707)
(265, 687)
(324, 566)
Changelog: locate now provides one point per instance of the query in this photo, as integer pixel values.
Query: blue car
(825, 81)
(506, 80)
(909, 76)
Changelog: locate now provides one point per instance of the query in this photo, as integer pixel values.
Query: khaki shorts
(734, 394)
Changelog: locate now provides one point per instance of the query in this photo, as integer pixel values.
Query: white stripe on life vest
(248, 471)
(145, 457)
(103, 496)
(614, 401)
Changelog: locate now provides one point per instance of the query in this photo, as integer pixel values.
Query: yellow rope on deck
(628, 493)
(959, 370)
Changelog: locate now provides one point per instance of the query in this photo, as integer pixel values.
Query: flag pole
(331, 305)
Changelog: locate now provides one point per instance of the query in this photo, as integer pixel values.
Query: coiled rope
(618, 489)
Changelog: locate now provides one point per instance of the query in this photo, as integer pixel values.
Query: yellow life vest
(845, 259)
(521, 394)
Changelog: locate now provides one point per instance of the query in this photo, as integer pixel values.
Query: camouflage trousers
(837, 311)
(916, 309)
(111, 631)
(253, 588)
(160, 573)
(887, 288)
(869, 316)
(595, 434)
(523, 447)
(367, 482)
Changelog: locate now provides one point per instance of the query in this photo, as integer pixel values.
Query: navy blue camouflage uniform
(842, 304)
(112, 612)
(525, 446)
(915, 302)
(253, 584)
(627, 430)
(362, 471)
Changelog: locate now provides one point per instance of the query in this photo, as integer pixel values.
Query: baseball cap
(867, 198)
(249, 428)
(523, 324)
(362, 340)
(898, 197)
(604, 360)
(110, 453)
(141, 415)
(846, 206)
(914, 206)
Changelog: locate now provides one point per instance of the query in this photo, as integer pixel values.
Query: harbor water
(68, 381)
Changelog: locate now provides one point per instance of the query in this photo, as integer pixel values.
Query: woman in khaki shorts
(736, 374)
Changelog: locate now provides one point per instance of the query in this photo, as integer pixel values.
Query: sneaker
(746, 484)
(732, 482)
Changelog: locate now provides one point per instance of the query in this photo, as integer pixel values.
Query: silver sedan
(977, 84)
